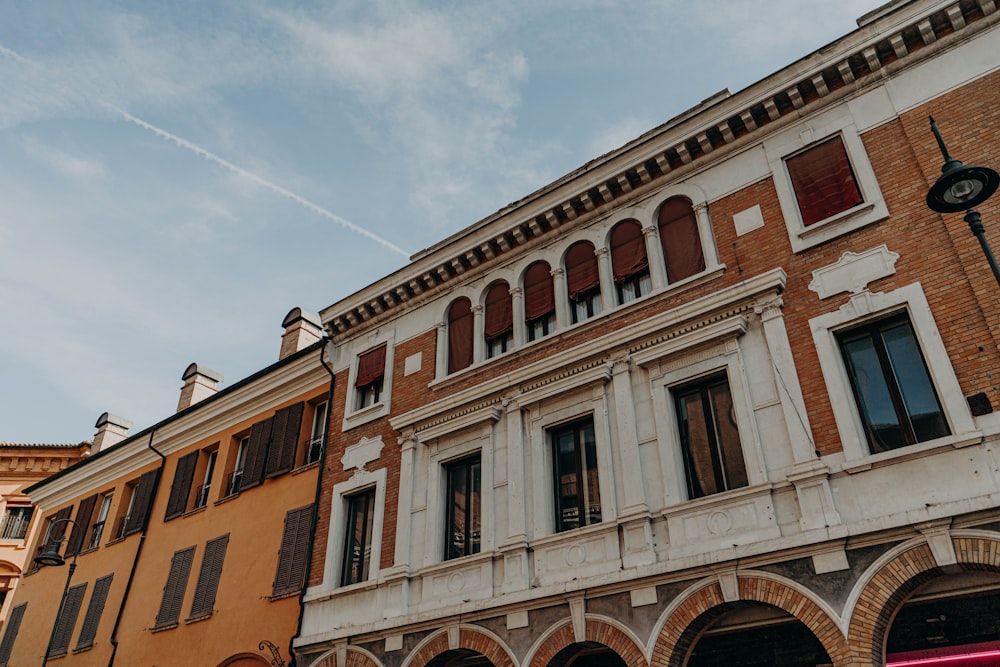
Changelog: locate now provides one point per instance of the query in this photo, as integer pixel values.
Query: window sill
(324, 593)
(200, 617)
(365, 415)
(282, 596)
(911, 452)
(231, 496)
(821, 225)
(196, 510)
(716, 499)
(305, 467)
(161, 628)
(82, 649)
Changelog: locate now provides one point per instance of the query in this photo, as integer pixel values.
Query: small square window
(823, 181)
(16, 521)
(710, 438)
(369, 378)
(891, 384)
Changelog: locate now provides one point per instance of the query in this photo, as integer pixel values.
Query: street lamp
(52, 557)
(962, 188)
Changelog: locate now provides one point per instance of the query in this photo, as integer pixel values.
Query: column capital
(601, 252)
(558, 271)
(769, 308)
(516, 291)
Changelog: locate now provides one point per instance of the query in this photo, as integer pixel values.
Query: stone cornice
(898, 38)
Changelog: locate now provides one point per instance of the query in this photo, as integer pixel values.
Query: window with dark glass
(358, 541)
(499, 320)
(583, 281)
(206, 468)
(16, 521)
(464, 512)
(97, 530)
(235, 476)
(891, 384)
(369, 379)
(629, 261)
(460, 335)
(823, 180)
(710, 439)
(539, 301)
(316, 434)
(679, 239)
(578, 493)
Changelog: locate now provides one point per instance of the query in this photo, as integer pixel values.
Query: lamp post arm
(940, 141)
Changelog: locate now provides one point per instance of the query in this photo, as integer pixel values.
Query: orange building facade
(192, 536)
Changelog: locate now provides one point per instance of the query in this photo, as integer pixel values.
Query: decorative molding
(363, 453)
(854, 271)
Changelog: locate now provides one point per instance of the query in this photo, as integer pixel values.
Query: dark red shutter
(539, 295)
(208, 577)
(582, 274)
(67, 621)
(460, 335)
(173, 590)
(294, 552)
(628, 251)
(94, 611)
(256, 455)
(140, 507)
(371, 366)
(10, 632)
(83, 516)
(680, 240)
(823, 181)
(284, 440)
(499, 312)
(180, 490)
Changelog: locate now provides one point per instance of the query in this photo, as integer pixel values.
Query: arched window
(498, 328)
(629, 262)
(679, 237)
(460, 333)
(539, 301)
(583, 281)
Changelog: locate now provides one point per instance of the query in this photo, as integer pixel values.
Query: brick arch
(703, 606)
(354, 658)
(468, 638)
(597, 630)
(890, 586)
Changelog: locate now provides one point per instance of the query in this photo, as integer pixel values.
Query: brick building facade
(722, 396)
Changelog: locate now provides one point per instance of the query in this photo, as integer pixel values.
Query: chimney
(199, 383)
(111, 429)
(302, 329)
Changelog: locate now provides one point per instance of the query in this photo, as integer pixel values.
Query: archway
(461, 657)
(754, 634)
(587, 654)
(952, 619)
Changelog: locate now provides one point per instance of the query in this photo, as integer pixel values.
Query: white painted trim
(361, 480)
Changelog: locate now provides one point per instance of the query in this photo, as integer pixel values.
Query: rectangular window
(710, 440)
(823, 181)
(294, 552)
(204, 472)
(83, 515)
(497, 346)
(463, 523)
(578, 493)
(94, 611)
(586, 305)
(236, 472)
(180, 489)
(634, 287)
(208, 577)
(67, 621)
(316, 434)
(358, 541)
(173, 590)
(132, 513)
(11, 628)
(55, 529)
(891, 385)
(369, 378)
(272, 446)
(102, 518)
(541, 327)
(16, 521)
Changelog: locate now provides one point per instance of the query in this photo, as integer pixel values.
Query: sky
(176, 176)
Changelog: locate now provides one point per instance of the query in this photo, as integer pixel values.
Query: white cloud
(75, 166)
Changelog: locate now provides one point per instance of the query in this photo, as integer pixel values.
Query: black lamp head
(959, 187)
(50, 556)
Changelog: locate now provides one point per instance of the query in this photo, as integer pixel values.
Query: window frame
(867, 306)
(582, 469)
(354, 416)
(23, 524)
(337, 537)
(469, 463)
(96, 529)
(799, 139)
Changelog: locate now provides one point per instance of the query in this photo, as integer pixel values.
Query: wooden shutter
(208, 577)
(256, 454)
(284, 440)
(140, 506)
(94, 611)
(180, 489)
(539, 294)
(10, 633)
(67, 621)
(294, 552)
(582, 274)
(460, 335)
(680, 240)
(173, 591)
(499, 312)
(83, 516)
(628, 251)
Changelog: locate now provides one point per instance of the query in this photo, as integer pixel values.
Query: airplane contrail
(263, 182)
